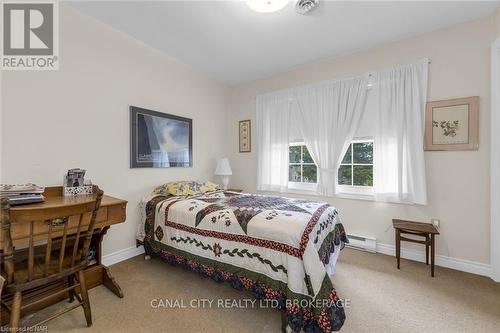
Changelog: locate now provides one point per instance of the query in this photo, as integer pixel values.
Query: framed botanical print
(245, 141)
(160, 140)
(452, 124)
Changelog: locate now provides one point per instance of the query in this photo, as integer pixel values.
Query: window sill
(302, 191)
(352, 196)
(355, 192)
(311, 191)
(302, 187)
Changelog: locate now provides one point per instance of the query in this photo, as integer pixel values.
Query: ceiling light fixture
(266, 6)
(305, 6)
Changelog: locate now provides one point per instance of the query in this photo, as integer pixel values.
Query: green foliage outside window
(356, 168)
(301, 165)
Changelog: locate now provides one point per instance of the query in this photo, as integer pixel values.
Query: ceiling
(233, 44)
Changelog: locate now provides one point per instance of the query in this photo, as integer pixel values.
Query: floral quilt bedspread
(277, 247)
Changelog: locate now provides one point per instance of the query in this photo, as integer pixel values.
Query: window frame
(343, 191)
(356, 190)
(301, 186)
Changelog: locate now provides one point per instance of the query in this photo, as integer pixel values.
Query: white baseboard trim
(121, 255)
(444, 261)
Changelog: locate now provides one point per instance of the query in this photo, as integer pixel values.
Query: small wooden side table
(426, 230)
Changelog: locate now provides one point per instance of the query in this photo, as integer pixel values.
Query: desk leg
(98, 246)
(107, 279)
(398, 246)
(433, 251)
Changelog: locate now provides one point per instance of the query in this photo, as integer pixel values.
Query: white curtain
(329, 115)
(399, 165)
(273, 135)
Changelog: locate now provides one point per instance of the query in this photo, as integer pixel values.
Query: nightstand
(426, 230)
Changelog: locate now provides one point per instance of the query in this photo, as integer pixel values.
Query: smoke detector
(305, 6)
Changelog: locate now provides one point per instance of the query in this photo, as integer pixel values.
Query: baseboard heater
(362, 243)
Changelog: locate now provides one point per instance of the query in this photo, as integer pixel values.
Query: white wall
(458, 182)
(79, 116)
(498, 20)
(495, 161)
(495, 157)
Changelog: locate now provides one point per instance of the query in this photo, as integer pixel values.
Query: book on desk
(22, 194)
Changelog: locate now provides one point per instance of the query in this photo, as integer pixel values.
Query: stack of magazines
(22, 194)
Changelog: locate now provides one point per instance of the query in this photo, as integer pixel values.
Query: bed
(281, 249)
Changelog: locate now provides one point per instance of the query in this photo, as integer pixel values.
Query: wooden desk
(427, 230)
(25, 217)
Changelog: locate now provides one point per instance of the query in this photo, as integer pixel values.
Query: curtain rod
(370, 85)
(370, 73)
(367, 73)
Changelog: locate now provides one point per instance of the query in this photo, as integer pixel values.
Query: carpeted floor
(382, 299)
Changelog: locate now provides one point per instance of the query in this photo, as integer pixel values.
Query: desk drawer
(112, 211)
(102, 215)
(21, 230)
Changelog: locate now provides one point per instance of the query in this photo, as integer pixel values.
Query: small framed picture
(245, 130)
(75, 178)
(452, 124)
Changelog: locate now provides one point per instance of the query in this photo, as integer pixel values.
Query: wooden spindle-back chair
(61, 255)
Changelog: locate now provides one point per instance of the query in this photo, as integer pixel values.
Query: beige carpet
(382, 298)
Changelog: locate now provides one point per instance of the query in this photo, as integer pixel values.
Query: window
(301, 168)
(355, 174)
(356, 169)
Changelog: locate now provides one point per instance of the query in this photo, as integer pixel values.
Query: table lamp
(224, 170)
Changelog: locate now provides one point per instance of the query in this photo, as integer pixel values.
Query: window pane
(345, 176)
(294, 153)
(363, 175)
(363, 152)
(309, 175)
(307, 157)
(294, 173)
(347, 156)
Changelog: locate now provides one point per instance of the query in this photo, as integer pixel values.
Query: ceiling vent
(305, 6)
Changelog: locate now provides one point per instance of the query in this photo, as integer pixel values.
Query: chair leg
(85, 298)
(15, 313)
(398, 246)
(433, 254)
(427, 245)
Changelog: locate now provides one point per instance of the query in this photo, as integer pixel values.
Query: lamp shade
(223, 167)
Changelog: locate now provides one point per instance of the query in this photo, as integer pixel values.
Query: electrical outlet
(436, 222)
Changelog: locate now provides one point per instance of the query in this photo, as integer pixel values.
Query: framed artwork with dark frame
(160, 140)
(452, 124)
(245, 135)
